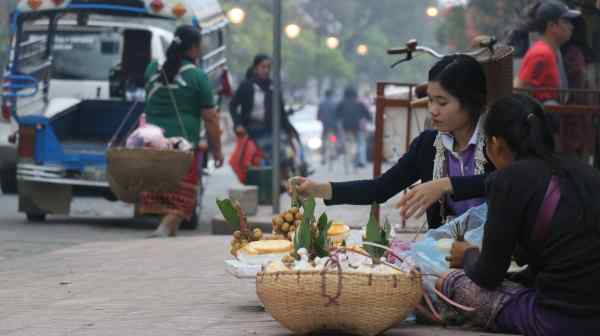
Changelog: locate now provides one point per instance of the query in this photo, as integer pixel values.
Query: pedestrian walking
(326, 114)
(179, 98)
(354, 116)
(543, 65)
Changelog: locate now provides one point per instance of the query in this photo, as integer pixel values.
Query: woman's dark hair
(463, 77)
(258, 59)
(186, 37)
(521, 122)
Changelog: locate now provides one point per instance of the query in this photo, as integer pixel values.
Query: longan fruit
(237, 234)
(299, 216)
(257, 233)
(285, 227)
(278, 220)
(289, 217)
(294, 210)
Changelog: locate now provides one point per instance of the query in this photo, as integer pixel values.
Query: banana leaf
(303, 237)
(322, 243)
(377, 235)
(229, 213)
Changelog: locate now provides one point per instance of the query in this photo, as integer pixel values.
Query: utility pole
(277, 27)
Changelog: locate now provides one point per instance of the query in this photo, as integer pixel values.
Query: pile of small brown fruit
(243, 238)
(286, 223)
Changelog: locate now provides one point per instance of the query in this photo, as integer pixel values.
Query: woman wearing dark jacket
(449, 161)
(545, 211)
(251, 106)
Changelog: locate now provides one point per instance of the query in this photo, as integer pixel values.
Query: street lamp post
(276, 103)
(332, 42)
(432, 11)
(236, 15)
(362, 49)
(292, 30)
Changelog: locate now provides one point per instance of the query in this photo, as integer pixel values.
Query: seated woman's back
(567, 262)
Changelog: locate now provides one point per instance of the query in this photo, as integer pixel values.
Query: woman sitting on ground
(543, 210)
(449, 160)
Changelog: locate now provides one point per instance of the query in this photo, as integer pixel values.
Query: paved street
(138, 287)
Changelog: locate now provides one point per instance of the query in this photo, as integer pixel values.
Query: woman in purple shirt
(449, 161)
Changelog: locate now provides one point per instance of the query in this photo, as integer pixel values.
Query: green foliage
(310, 236)
(353, 22)
(322, 243)
(376, 234)
(229, 213)
(494, 18)
(303, 237)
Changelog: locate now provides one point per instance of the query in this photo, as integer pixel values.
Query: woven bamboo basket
(132, 171)
(498, 68)
(355, 303)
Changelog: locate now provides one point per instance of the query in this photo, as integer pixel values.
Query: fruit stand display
(336, 286)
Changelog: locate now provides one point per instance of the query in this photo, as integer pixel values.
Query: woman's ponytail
(185, 38)
(174, 60)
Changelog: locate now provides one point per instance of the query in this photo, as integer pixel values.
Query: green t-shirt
(192, 92)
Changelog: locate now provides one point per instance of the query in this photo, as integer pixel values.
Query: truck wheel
(8, 181)
(193, 223)
(36, 218)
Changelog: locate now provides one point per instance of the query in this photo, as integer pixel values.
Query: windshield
(89, 51)
(84, 55)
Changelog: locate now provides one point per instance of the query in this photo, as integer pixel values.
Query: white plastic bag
(147, 135)
(430, 257)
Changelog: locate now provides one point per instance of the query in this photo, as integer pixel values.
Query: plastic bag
(147, 135)
(430, 255)
(179, 143)
(245, 154)
(474, 218)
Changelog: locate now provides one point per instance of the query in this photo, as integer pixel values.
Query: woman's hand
(419, 198)
(308, 188)
(457, 253)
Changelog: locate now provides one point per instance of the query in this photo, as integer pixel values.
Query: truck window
(74, 51)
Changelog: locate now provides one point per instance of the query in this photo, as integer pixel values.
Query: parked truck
(75, 82)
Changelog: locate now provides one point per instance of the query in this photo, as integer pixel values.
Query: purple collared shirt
(462, 164)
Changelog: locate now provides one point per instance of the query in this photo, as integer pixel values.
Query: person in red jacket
(543, 66)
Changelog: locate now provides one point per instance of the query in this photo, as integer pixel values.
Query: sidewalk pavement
(143, 287)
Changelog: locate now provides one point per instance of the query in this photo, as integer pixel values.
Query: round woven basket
(121, 193)
(364, 304)
(132, 171)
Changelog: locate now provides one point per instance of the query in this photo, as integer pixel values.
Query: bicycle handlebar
(412, 46)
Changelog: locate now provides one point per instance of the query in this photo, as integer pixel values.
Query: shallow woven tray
(133, 171)
(368, 304)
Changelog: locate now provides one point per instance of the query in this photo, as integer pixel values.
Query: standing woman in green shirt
(179, 98)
